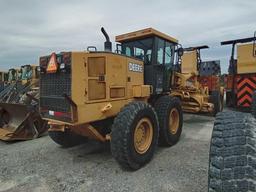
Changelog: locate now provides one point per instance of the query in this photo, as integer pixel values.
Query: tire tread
(232, 165)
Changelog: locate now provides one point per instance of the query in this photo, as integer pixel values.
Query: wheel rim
(143, 135)
(174, 121)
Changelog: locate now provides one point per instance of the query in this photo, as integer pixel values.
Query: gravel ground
(41, 165)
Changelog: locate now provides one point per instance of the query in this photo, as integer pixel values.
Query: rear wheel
(134, 135)
(228, 99)
(216, 100)
(222, 102)
(253, 105)
(170, 118)
(66, 138)
(232, 164)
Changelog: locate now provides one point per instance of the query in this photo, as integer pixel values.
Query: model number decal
(135, 67)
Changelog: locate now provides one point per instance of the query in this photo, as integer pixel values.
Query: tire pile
(232, 161)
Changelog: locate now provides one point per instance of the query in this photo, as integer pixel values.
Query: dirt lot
(41, 165)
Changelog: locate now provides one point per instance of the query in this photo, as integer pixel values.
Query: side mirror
(180, 51)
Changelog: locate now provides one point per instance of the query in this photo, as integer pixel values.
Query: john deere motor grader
(196, 96)
(19, 116)
(121, 97)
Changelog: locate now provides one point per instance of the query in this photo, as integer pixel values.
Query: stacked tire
(232, 161)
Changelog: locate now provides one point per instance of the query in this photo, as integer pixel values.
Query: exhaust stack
(107, 43)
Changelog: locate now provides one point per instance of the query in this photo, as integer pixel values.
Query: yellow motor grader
(19, 116)
(195, 97)
(122, 97)
(3, 80)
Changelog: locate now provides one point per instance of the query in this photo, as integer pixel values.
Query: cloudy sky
(30, 28)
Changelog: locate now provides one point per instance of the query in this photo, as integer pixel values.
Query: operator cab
(12, 75)
(157, 50)
(29, 72)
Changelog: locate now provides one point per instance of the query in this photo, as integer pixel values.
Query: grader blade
(20, 122)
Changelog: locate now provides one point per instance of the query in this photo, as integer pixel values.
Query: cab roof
(148, 32)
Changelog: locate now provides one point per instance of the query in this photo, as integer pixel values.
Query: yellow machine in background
(122, 98)
(195, 98)
(241, 78)
(19, 116)
(3, 80)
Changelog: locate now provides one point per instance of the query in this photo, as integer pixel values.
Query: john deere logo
(135, 67)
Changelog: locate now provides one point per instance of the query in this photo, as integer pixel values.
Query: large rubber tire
(66, 138)
(123, 131)
(232, 165)
(163, 106)
(216, 100)
(229, 99)
(222, 103)
(253, 105)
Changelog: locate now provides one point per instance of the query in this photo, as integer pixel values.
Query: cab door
(158, 73)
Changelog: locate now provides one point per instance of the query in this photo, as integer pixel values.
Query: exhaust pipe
(107, 43)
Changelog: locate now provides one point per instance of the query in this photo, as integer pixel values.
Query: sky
(33, 28)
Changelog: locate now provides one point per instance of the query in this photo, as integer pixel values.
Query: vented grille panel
(52, 90)
(117, 92)
(96, 66)
(97, 90)
(55, 84)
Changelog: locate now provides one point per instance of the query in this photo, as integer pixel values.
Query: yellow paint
(112, 71)
(246, 61)
(2, 74)
(148, 32)
(189, 62)
(141, 91)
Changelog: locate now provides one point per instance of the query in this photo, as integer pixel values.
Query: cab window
(168, 53)
(160, 52)
(139, 53)
(128, 51)
(140, 49)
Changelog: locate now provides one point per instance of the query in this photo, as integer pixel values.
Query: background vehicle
(241, 80)
(122, 98)
(197, 83)
(3, 80)
(233, 145)
(19, 116)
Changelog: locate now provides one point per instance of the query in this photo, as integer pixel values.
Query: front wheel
(216, 100)
(134, 135)
(170, 118)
